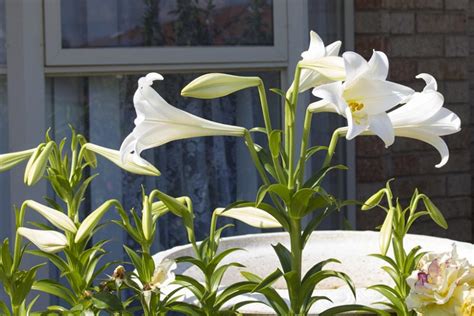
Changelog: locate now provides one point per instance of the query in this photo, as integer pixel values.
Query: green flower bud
(374, 200)
(216, 85)
(37, 164)
(91, 221)
(147, 220)
(8, 161)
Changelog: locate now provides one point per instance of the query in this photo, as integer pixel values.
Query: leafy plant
(397, 223)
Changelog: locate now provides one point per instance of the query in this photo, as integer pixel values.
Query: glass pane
(203, 168)
(125, 23)
(3, 51)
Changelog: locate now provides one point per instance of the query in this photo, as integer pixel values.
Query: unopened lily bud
(89, 155)
(130, 163)
(374, 200)
(147, 221)
(57, 218)
(8, 161)
(252, 216)
(39, 161)
(49, 241)
(216, 85)
(91, 221)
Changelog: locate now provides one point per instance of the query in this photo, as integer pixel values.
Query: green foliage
(396, 225)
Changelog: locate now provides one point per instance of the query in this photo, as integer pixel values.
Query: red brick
(371, 22)
(431, 185)
(402, 23)
(370, 170)
(416, 46)
(398, 4)
(367, 4)
(370, 146)
(440, 23)
(456, 46)
(457, 4)
(429, 4)
(365, 44)
(402, 70)
(459, 184)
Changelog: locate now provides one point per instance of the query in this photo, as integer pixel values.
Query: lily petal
(381, 125)
(378, 66)
(332, 93)
(355, 67)
(377, 95)
(252, 216)
(322, 106)
(333, 48)
(316, 47)
(435, 141)
(444, 122)
(354, 128)
(431, 83)
(420, 108)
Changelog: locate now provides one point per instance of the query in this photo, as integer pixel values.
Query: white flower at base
(424, 118)
(317, 68)
(364, 97)
(49, 241)
(252, 216)
(158, 122)
(162, 277)
(442, 285)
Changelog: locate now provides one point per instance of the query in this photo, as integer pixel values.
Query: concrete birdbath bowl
(350, 247)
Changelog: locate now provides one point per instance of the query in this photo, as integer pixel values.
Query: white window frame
(173, 57)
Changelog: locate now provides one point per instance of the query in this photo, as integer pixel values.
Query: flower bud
(374, 200)
(252, 216)
(91, 221)
(147, 221)
(39, 160)
(216, 85)
(57, 218)
(130, 163)
(386, 232)
(49, 241)
(9, 160)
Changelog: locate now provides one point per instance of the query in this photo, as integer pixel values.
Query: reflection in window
(203, 168)
(125, 23)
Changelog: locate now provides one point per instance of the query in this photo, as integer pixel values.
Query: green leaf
(275, 143)
(353, 308)
(434, 212)
(4, 309)
(313, 150)
(268, 281)
(299, 202)
(318, 267)
(284, 255)
(279, 189)
(318, 177)
(7, 260)
(280, 93)
(265, 157)
(219, 257)
(314, 223)
(218, 274)
(395, 298)
(54, 288)
(104, 300)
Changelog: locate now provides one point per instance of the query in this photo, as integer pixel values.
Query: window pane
(3, 51)
(203, 168)
(125, 23)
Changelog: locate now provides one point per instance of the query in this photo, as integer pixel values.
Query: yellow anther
(356, 106)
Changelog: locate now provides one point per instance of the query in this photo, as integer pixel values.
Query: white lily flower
(49, 241)
(131, 163)
(318, 69)
(163, 275)
(55, 217)
(424, 118)
(252, 216)
(158, 122)
(365, 96)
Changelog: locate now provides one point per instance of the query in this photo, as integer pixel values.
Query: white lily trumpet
(320, 64)
(158, 122)
(365, 96)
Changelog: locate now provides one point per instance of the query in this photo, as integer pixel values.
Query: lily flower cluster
(443, 284)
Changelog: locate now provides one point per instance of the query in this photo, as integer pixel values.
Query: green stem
(212, 233)
(264, 103)
(304, 145)
(17, 248)
(290, 127)
(332, 147)
(297, 256)
(254, 155)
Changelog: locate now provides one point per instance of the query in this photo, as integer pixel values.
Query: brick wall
(421, 36)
